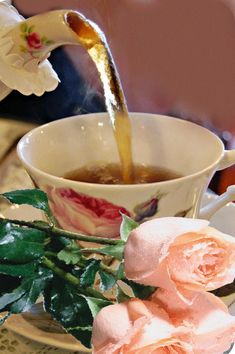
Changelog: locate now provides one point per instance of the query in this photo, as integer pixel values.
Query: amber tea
(94, 42)
(112, 174)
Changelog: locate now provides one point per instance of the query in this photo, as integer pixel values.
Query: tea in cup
(76, 162)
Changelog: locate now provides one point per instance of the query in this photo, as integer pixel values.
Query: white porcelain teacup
(50, 151)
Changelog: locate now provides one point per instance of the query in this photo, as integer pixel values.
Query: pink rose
(138, 327)
(213, 328)
(34, 40)
(180, 253)
(79, 212)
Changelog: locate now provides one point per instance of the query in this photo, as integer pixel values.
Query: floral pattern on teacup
(80, 212)
(146, 209)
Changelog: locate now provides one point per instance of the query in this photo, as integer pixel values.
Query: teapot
(25, 45)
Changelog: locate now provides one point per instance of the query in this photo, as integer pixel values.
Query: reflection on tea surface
(111, 174)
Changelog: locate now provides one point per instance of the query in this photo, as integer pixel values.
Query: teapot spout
(25, 45)
(37, 36)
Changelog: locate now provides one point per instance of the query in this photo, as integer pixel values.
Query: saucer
(223, 219)
(37, 326)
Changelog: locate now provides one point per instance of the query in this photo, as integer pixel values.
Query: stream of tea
(93, 40)
(95, 43)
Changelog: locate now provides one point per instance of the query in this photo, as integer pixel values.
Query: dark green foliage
(38, 259)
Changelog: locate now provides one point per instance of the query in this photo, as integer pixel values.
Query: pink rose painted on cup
(34, 40)
(79, 212)
(213, 328)
(138, 327)
(180, 253)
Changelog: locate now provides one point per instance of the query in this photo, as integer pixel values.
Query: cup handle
(209, 210)
(227, 160)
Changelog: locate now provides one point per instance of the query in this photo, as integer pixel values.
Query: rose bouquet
(148, 292)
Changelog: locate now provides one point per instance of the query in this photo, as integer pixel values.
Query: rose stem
(52, 230)
(81, 265)
(71, 279)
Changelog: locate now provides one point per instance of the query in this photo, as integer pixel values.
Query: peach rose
(138, 327)
(82, 213)
(180, 253)
(212, 326)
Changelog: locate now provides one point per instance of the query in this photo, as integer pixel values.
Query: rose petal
(148, 245)
(212, 325)
(83, 213)
(115, 325)
(136, 327)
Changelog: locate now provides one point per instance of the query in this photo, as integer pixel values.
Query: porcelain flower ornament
(31, 76)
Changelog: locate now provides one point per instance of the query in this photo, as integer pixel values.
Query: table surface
(13, 176)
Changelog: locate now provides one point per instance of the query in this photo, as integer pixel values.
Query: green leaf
(42, 223)
(49, 41)
(74, 311)
(70, 254)
(66, 305)
(121, 296)
(58, 243)
(21, 298)
(107, 280)
(127, 226)
(83, 334)
(31, 28)
(139, 290)
(18, 270)
(34, 197)
(95, 305)
(77, 272)
(20, 245)
(9, 298)
(43, 39)
(120, 272)
(8, 284)
(69, 257)
(88, 276)
(33, 286)
(113, 251)
(24, 27)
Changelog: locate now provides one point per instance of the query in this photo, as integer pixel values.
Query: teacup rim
(49, 176)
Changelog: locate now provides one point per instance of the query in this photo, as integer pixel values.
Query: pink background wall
(172, 55)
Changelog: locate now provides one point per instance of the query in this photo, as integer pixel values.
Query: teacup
(50, 151)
